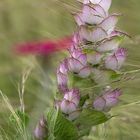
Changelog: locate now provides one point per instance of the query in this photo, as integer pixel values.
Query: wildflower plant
(85, 92)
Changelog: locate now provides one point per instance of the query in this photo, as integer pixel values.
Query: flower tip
(41, 130)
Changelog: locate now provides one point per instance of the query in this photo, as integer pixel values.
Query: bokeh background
(29, 20)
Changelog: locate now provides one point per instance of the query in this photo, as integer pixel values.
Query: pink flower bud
(63, 68)
(77, 63)
(112, 97)
(99, 104)
(62, 79)
(90, 15)
(115, 61)
(109, 23)
(41, 131)
(70, 101)
(62, 82)
(84, 72)
(62, 76)
(77, 54)
(73, 95)
(108, 100)
(67, 106)
(76, 40)
(105, 4)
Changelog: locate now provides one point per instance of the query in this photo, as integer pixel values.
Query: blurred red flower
(43, 47)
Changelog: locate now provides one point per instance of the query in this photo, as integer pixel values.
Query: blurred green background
(27, 20)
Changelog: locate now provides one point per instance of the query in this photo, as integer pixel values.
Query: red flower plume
(43, 47)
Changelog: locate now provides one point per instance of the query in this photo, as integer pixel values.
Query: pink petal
(109, 45)
(99, 103)
(105, 4)
(121, 61)
(63, 68)
(76, 40)
(91, 1)
(99, 34)
(110, 102)
(92, 15)
(67, 107)
(113, 93)
(84, 72)
(83, 59)
(111, 63)
(62, 79)
(76, 53)
(121, 56)
(78, 19)
(86, 1)
(109, 23)
(72, 96)
(74, 65)
(92, 35)
(121, 52)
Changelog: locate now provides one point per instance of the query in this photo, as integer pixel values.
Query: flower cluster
(95, 46)
(107, 100)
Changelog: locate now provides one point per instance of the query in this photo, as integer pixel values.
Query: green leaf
(83, 99)
(115, 76)
(80, 83)
(90, 117)
(59, 127)
(20, 117)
